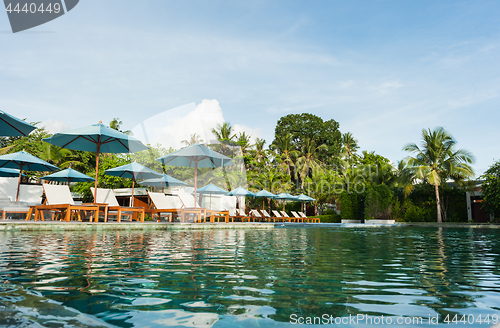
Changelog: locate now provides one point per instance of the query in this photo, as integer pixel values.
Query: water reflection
(242, 277)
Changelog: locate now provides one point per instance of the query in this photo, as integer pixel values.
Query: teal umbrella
(212, 189)
(24, 161)
(97, 138)
(285, 196)
(10, 173)
(134, 171)
(242, 192)
(305, 198)
(11, 126)
(196, 156)
(164, 181)
(265, 194)
(68, 175)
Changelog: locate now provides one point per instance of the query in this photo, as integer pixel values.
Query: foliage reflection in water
(231, 278)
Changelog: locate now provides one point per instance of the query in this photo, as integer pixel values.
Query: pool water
(251, 278)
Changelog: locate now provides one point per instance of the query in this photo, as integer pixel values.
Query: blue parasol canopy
(97, 138)
(305, 198)
(11, 126)
(164, 181)
(212, 189)
(10, 173)
(285, 196)
(265, 193)
(241, 192)
(68, 175)
(133, 171)
(24, 161)
(196, 156)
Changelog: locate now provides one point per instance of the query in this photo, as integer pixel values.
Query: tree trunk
(438, 204)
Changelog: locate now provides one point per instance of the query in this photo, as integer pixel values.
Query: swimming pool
(251, 278)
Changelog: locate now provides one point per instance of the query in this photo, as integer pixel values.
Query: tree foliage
(307, 126)
(491, 189)
(437, 160)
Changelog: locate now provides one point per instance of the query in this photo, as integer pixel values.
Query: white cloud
(171, 127)
(54, 126)
(253, 133)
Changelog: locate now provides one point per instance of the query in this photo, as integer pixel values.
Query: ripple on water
(245, 278)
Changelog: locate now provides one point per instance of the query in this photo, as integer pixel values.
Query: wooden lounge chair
(162, 204)
(279, 217)
(29, 195)
(268, 217)
(313, 220)
(58, 200)
(241, 215)
(288, 217)
(192, 211)
(297, 217)
(256, 215)
(107, 196)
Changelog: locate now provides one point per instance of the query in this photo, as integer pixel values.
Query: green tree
(437, 160)
(116, 124)
(194, 139)
(491, 189)
(349, 147)
(311, 127)
(225, 135)
(286, 154)
(309, 160)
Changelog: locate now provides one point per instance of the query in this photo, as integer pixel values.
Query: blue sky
(383, 69)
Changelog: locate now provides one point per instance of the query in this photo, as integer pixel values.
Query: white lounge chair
(162, 204)
(313, 220)
(107, 196)
(256, 215)
(29, 195)
(288, 217)
(58, 200)
(268, 217)
(278, 216)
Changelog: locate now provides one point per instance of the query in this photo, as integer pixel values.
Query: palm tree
(192, 140)
(243, 141)
(437, 161)
(349, 146)
(260, 152)
(308, 161)
(116, 124)
(224, 134)
(286, 152)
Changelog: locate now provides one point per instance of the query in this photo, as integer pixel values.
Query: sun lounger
(29, 195)
(162, 204)
(313, 220)
(288, 217)
(107, 197)
(297, 217)
(280, 217)
(240, 214)
(256, 215)
(58, 200)
(268, 217)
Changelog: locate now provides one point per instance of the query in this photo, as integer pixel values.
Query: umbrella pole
(195, 177)
(131, 204)
(19, 184)
(97, 169)
(263, 207)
